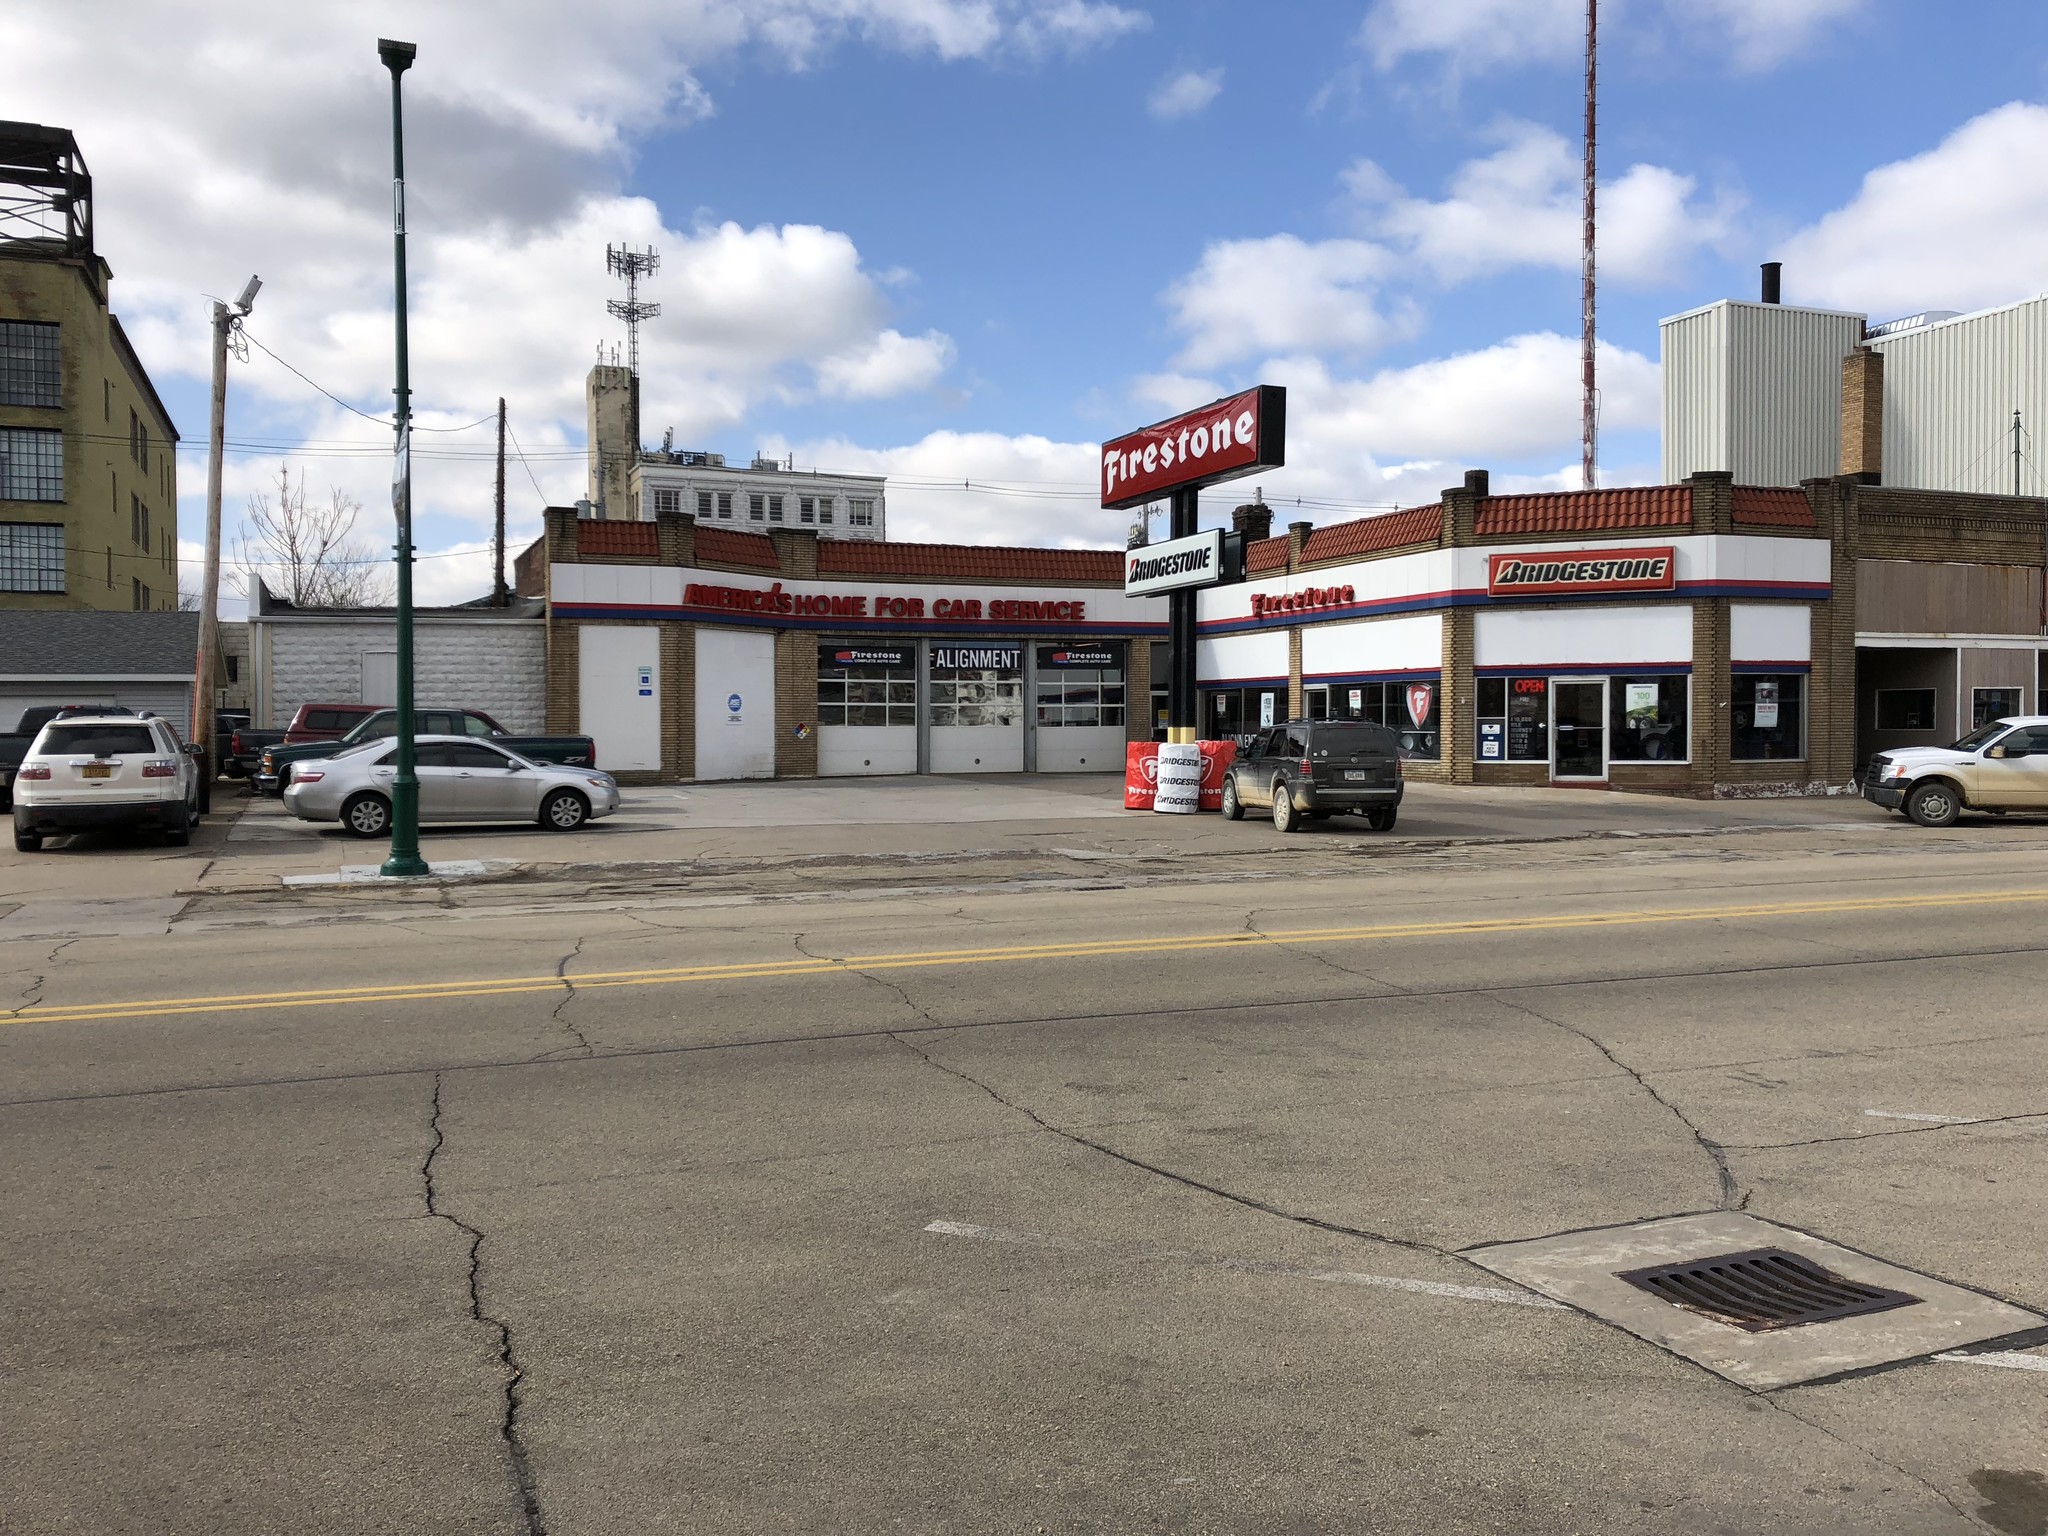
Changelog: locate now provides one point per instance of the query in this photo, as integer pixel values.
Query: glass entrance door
(1578, 728)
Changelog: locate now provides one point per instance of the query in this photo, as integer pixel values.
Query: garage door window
(867, 685)
(977, 685)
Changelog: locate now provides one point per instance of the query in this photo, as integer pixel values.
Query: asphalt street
(1109, 1203)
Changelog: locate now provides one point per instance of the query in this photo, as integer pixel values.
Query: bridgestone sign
(1196, 561)
(1582, 571)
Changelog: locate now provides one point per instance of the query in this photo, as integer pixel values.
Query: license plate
(98, 770)
(1354, 775)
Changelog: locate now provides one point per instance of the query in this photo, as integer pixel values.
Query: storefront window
(1229, 713)
(1905, 709)
(1080, 685)
(1648, 719)
(1514, 720)
(1989, 704)
(867, 685)
(1767, 717)
(1394, 705)
(977, 685)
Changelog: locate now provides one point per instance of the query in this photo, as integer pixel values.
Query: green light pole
(405, 784)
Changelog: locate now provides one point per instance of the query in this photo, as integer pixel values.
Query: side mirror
(2012, 752)
(194, 749)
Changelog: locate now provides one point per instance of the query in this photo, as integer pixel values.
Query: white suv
(2002, 766)
(105, 771)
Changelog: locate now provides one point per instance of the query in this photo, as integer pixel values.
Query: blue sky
(961, 240)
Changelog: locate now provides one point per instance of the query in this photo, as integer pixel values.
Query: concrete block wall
(497, 665)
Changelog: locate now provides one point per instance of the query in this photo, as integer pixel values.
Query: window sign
(647, 682)
(1528, 703)
(1639, 704)
(733, 709)
(1357, 702)
(1421, 703)
(1493, 744)
(1766, 716)
(1265, 710)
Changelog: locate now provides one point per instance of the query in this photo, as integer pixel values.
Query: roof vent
(1911, 322)
(1772, 271)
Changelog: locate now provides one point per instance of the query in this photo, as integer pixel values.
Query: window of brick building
(31, 464)
(31, 371)
(31, 557)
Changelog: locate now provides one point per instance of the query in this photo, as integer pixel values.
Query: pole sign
(1221, 441)
(1195, 561)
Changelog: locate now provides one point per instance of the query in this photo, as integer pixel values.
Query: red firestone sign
(1220, 441)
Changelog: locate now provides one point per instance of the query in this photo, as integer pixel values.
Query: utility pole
(498, 593)
(405, 783)
(225, 320)
(2015, 451)
(1589, 422)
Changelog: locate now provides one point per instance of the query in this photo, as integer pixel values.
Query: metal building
(1754, 390)
(1951, 386)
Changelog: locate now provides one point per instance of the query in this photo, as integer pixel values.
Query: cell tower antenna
(1589, 420)
(624, 261)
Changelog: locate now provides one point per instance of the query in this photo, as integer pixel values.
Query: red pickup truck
(326, 722)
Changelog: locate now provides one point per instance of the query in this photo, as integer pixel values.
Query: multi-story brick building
(88, 454)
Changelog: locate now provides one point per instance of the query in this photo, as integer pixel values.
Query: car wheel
(1285, 817)
(367, 815)
(1381, 817)
(27, 842)
(180, 835)
(1233, 808)
(565, 811)
(1934, 805)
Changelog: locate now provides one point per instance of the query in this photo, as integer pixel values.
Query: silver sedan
(461, 779)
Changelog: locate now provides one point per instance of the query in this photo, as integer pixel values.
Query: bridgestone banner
(1195, 561)
(1582, 571)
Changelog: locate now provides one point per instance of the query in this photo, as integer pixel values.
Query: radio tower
(632, 265)
(1589, 405)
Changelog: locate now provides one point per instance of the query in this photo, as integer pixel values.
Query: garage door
(171, 700)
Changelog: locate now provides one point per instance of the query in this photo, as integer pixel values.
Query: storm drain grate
(1763, 1289)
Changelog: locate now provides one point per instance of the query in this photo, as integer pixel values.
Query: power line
(521, 452)
(381, 421)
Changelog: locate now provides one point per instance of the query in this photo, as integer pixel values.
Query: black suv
(1318, 768)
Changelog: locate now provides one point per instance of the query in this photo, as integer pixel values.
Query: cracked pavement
(573, 1217)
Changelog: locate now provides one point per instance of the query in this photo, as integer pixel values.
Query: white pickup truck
(2002, 766)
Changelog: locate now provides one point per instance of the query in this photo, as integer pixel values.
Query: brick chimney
(1254, 520)
(1297, 536)
(1863, 416)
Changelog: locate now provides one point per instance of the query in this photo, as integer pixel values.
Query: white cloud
(1520, 206)
(1282, 294)
(1184, 94)
(1961, 226)
(889, 364)
(1472, 36)
(1395, 438)
(244, 136)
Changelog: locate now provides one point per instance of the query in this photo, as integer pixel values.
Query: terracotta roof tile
(728, 546)
(1772, 506)
(970, 562)
(1370, 535)
(595, 537)
(1266, 554)
(1602, 511)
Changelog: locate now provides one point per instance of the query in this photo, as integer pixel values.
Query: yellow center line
(761, 970)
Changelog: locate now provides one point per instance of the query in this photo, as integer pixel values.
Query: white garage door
(620, 667)
(735, 704)
(171, 700)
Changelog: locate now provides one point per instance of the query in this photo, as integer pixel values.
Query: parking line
(442, 991)
(2005, 1359)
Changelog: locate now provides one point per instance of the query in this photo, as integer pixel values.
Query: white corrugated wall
(1755, 389)
(1695, 378)
(1785, 391)
(1949, 393)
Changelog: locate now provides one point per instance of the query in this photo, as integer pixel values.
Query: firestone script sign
(1582, 571)
(1218, 442)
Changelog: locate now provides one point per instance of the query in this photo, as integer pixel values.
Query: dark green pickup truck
(273, 769)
